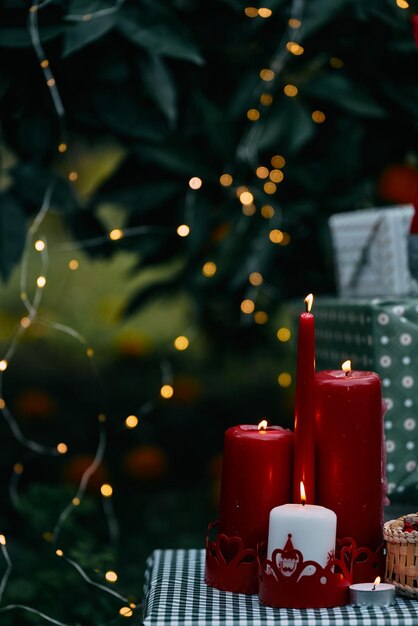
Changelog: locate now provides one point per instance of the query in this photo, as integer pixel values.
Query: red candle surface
(256, 477)
(349, 453)
(304, 459)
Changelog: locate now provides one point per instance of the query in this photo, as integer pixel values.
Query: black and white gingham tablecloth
(176, 595)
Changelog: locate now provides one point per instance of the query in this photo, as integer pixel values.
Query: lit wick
(376, 582)
(308, 302)
(262, 425)
(346, 367)
(302, 493)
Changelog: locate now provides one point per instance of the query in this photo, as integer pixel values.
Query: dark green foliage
(172, 82)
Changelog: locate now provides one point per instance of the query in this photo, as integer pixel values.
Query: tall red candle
(256, 477)
(304, 458)
(349, 453)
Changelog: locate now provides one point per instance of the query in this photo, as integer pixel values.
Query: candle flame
(308, 301)
(302, 493)
(376, 583)
(262, 425)
(346, 366)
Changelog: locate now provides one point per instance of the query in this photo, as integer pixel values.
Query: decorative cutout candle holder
(287, 581)
(229, 565)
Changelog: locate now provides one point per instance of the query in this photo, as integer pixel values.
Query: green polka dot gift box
(379, 335)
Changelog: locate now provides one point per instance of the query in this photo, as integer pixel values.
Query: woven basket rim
(397, 532)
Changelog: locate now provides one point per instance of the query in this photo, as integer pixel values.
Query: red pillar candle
(256, 477)
(304, 458)
(349, 452)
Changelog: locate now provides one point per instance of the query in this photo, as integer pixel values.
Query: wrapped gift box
(371, 251)
(379, 335)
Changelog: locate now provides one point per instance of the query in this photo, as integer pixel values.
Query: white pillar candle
(312, 529)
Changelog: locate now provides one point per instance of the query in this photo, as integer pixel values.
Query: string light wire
(91, 582)
(33, 28)
(3, 583)
(98, 241)
(9, 567)
(91, 16)
(87, 474)
(29, 609)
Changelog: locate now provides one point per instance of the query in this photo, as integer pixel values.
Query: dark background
(155, 94)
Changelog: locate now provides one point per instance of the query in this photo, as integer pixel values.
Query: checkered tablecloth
(176, 595)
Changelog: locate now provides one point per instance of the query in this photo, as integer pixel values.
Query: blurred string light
(3, 583)
(284, 379)
(283, 334)
(288, 44)
(109, 511)
(33, 28)
(263, 12)
(209, 269)
(60, 553)
(61, 448)
(267, 75)
(116, 234)
(226, 180)
(167, 390)
(40, 246)
(90, 470)
(183, 230)
(32, 308)
(15, 476)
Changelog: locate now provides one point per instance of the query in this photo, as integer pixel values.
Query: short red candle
(256, 477)
(349, 453)
(304, 459)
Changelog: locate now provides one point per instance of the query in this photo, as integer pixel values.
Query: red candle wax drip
(349, 453)
(304, 455)
(256, 477)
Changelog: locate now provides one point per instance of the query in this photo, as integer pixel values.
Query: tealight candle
(372, 594)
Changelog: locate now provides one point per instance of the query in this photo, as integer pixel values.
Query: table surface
(175, 594)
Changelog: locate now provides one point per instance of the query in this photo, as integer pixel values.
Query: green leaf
(31, 182)
(12, 233)
(143, 197)
(216, 124)
(289, 125)
(159, 32)
(159, 288)
(405, 96)
(84, 33)
(340, 90)
(319, 13)
(159, 85)
(175, 157)
(125, 113)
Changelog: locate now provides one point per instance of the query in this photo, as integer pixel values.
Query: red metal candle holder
(287, 581)
(230, 566)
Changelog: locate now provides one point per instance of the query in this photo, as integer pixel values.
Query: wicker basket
(402, 556)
